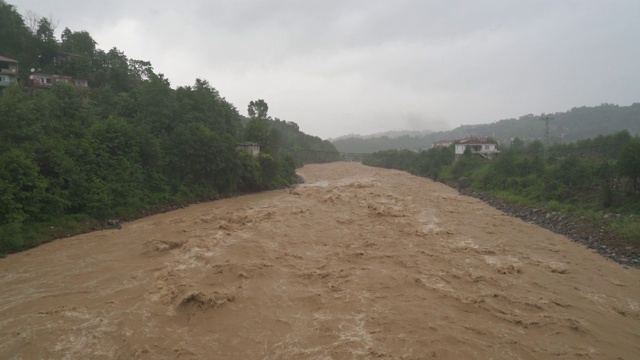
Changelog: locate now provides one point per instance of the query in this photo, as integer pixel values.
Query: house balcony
(11, 70)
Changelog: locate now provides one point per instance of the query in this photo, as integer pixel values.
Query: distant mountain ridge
(390, 134)
(576, 124)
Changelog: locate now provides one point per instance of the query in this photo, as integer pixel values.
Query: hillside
(575, 124)
(91, 136)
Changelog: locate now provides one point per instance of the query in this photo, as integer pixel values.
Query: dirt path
(357, 263)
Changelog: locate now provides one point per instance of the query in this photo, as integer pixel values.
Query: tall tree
(47, 46)
(14, 32)
(78, 42)
(258, 109)
(258, 129)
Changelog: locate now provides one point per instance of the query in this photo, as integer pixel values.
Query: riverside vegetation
(592, 181)
(72, 160)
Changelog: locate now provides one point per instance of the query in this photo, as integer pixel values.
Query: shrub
(463, 182)
(554, 205)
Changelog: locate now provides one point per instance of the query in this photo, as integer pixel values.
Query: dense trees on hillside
(129, 145)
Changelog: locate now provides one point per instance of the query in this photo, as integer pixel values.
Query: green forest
(126, 146)
(586, 178)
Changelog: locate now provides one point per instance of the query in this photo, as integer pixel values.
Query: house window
(487, 147)
(4, 79)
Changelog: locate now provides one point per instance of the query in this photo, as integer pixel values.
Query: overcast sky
(365, 66)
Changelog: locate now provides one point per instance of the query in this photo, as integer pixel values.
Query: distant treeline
(564, 128)
(593, 175)
(130, 145)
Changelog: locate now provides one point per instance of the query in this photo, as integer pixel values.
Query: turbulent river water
(357, 263)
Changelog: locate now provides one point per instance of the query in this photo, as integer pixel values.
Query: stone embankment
(579, 230)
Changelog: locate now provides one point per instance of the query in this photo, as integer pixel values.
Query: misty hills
(565, 127)
(390, 134)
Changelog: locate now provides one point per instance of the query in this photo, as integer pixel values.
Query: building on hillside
(38, 80)
(441, 143)
(8, 71)
(477, 146)
(249, 148)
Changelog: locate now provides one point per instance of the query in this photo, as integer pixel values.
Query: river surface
(357, 263)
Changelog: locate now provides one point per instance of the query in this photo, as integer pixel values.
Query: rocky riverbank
(579, 230)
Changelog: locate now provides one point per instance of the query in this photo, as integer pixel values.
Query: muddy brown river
(357, 263)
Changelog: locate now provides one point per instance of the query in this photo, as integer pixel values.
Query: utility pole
(546, 135)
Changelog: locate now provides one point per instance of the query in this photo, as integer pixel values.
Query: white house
(477, 146)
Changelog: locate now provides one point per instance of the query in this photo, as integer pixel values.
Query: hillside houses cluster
(9, 75)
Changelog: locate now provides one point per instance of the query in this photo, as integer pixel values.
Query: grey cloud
(365, 66)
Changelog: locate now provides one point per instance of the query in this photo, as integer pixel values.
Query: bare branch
(31, 19)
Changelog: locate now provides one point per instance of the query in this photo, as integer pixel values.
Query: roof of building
(473, 141)
(6, 59)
